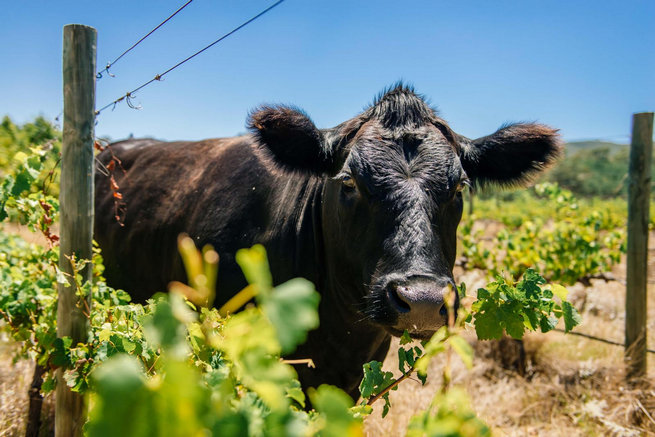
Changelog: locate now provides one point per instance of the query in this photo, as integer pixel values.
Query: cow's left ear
(291, 138)
(512, 155)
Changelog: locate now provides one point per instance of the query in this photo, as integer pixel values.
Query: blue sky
(581, 66)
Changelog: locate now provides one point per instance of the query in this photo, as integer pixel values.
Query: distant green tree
(593, 172)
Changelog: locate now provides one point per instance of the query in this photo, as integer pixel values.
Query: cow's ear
(291, 139)
(512, 155)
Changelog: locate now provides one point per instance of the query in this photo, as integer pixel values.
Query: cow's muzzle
(420, 304)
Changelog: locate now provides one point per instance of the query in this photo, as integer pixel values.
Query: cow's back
(218, 191)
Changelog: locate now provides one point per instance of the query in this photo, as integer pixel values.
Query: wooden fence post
(637, 258)
(76, 206)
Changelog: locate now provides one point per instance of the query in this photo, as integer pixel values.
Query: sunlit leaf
(463, 349)
(333, 405)
(293, 309)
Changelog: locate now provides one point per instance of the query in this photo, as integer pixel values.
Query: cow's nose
(419, 302)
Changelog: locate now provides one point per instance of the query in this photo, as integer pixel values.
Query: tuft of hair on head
(399, 106)
(512, 156)
(290, 138)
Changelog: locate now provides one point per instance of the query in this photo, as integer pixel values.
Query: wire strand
(128, 96)
(593, 337)
(109, 64)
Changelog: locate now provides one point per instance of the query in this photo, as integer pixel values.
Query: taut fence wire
(109, 64)
(592, 337)
(129, 95)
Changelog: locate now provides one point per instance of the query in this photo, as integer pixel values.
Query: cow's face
(393, 198)
(390, 217)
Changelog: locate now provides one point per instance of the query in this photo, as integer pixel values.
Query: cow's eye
(464, 183)
(348, 182)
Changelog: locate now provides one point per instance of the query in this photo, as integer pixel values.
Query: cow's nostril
(443, 311)
(398, 303)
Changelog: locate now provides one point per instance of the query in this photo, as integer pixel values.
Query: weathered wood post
(637, 259)
(76, 206)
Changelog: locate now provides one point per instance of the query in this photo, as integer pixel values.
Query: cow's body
(247, 202)
(367, 211)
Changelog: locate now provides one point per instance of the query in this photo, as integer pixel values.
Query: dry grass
(15, 381)
(557, 397)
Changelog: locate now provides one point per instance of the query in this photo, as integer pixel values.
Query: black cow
(367, 211)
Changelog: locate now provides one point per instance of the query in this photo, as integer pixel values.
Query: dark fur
(513, 155)
(291, 138)
(367, 211)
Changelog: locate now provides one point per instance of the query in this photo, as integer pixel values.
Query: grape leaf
(512, 320)
(333, 404)
(547, 323)
(375, 379)
(559, 291)
(292, 308)
(487, 324)
(571, 316)
(405, 338)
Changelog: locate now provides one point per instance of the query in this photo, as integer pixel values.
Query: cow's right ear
(291, 139)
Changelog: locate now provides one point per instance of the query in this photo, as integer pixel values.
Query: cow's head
(393, 197)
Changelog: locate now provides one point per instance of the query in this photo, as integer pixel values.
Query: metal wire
(130, 95)
(109, 64)
(593, 337)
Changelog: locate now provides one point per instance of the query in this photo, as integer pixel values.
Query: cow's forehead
(386, 159)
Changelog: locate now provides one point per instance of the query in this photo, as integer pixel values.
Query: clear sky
(581, 66)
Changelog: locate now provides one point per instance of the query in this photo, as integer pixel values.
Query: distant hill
(575, 146)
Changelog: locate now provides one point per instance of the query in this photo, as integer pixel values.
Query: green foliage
(474, 252)
(513, 308)
(500, 307)
(599, 171)
(335, 418)
(449, 415)
(375, 382)
(238, 385)
(550, 231)
(28, 305)
(28, 288)
(18, 142)
(291, 308)
(443, 341)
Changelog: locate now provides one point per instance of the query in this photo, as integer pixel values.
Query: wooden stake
(637, 259)
(76, 206)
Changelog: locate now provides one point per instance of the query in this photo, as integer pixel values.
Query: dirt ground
(572, 386)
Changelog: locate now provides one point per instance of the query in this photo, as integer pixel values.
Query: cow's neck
(343, 343)
(340, 347)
